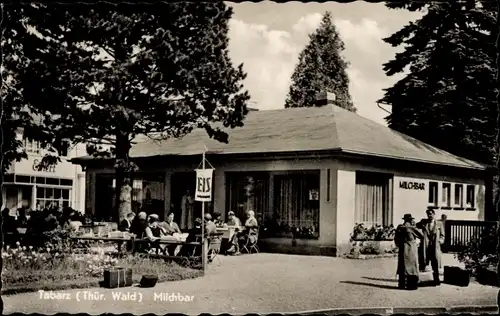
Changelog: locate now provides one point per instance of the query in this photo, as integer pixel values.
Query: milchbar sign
(411, 185)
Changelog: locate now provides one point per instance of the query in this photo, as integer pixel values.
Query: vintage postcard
(220, 157)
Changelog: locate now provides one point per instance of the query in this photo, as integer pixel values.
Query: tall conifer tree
(321, 67)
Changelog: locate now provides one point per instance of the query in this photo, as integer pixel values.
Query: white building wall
(63, 170)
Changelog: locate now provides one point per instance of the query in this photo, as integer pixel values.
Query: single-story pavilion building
(317, 170)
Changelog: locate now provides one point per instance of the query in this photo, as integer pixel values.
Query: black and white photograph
(255, 157)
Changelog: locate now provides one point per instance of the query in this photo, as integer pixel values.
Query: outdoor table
(228, 231)
(118, 240)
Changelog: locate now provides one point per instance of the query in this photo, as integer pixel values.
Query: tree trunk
(123, 170)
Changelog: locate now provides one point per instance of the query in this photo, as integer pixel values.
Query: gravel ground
(266, 283)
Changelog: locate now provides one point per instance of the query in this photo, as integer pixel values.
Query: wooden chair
(214, 244)
(249, 246)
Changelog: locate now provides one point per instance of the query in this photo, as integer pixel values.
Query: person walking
(430, 247)
(406, 241)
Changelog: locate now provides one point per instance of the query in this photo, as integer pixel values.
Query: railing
(462, 232)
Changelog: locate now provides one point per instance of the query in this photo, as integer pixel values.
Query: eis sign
(203, 185)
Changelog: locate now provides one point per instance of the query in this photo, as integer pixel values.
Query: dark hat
(408, 217)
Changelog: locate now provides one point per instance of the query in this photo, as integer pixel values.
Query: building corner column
(345, 210)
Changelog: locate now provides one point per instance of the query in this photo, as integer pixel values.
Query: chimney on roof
(324, 98)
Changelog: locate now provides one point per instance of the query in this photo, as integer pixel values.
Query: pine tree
(321, 68)
(165, 72)
(448, 97)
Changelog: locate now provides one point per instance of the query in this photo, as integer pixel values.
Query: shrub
(480, 252)
(378, 232)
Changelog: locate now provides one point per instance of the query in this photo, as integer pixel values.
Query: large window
(471, 197)
(34, 147)
(459, 195)
(148, 195)
(31, 146)
(47, 197)
(296, 205)
(373, 206)
(433, 193)
(248, 191)
(446, 198)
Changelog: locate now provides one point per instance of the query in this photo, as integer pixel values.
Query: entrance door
(104, 198)
(181, 183)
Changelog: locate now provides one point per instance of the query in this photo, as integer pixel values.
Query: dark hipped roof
(303, 130)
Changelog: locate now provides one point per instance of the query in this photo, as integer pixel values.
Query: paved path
(266, 283)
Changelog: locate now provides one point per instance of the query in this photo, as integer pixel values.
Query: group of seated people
(35, 222)
(151, 228)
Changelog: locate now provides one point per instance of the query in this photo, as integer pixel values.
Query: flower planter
(487, 276)
(368, 249)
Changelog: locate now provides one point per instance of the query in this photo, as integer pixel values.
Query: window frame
(446, 199)
(472, 204)
(61, 200)
(434, 193)
(458, 187)
(310, 205)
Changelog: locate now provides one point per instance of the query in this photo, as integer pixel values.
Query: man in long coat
(430, 247)
(406, 241)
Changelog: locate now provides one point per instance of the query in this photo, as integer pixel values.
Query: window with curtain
(296, 205)
(372, 206)
(247, 191)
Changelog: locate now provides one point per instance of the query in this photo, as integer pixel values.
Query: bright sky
(267, 38)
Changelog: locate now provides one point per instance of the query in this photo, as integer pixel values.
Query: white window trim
(436, 196)
(473, 204)
(455, 187)
(446, 203)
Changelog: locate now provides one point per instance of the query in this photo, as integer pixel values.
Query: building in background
(316, 172)
(62, 184)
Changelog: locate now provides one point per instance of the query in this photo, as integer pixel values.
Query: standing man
(430, 247)
(187, 210)
(406, 241)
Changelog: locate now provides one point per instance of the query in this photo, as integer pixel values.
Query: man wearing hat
(406, 241)
(430, 247)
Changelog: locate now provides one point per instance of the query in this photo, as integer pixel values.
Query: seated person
(170, 226)
(152, 232)
(126, 224)
(171, 229)
(139, 224)
(233, 221)
(250, 230)
(210, 228)
(218, 220)
(189, 250)
(22, 219)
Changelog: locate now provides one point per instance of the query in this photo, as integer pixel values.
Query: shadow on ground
(380, 286)
(381, 279)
